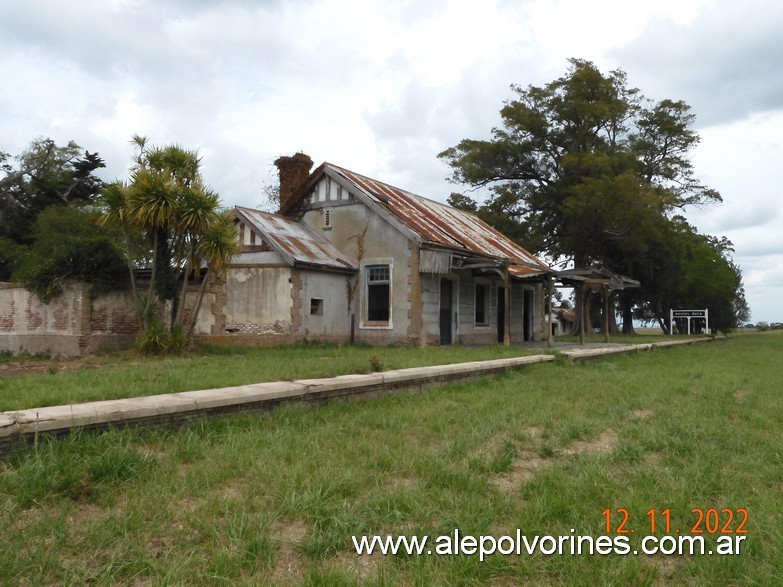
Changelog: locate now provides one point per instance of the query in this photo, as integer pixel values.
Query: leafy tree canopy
(166, 205)
(579, 160)
(586, 169)
(69, 246)
(44, 175)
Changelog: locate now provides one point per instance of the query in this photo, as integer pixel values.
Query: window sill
(376, 325)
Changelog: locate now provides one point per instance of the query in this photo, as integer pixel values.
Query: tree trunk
(614, 329)
(134, 292)
(627, 307)
(197, 309)
(583, 315)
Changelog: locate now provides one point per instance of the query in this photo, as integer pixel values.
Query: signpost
(700, 314)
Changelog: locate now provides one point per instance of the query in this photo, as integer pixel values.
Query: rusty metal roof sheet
(443, 225)
(295, 242)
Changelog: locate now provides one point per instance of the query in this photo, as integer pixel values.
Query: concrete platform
(23, 426)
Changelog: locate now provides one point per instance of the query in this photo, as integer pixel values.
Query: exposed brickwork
(62, 320)
(293, 172)
(278, 327)
(99, 319)
(7, 319)
(34, 319)
(415, 302)
(70, 325)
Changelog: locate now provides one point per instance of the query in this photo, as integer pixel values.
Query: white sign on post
(689, 314)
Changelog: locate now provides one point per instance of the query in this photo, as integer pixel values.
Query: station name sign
(689, 313)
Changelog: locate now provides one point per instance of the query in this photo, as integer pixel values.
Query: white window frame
(365, 323)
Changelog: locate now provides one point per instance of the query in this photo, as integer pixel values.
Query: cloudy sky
(381, 87)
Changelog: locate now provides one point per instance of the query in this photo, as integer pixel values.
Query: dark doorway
(501, 314)
(445, 311)
(527, 324)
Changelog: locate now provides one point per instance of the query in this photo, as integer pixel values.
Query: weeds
(128, 374)
(274, 499)
(79, 467)
(156, 340)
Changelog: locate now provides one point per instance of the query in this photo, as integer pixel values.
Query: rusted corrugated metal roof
(295, 242)
(440, 224)
(565, 313)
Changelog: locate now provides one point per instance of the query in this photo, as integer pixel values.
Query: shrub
(156, 340)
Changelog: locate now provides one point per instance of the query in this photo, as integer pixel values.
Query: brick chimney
(294, 172)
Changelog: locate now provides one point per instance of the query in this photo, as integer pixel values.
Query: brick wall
(72, 324)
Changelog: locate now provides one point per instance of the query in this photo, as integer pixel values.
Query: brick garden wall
(72, 324)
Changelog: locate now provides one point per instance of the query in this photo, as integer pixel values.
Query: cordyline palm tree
(166, 200)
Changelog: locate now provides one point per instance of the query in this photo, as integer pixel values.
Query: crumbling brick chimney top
(294, 171)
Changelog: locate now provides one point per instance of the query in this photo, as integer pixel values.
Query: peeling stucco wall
(71, 324)
(258, 300)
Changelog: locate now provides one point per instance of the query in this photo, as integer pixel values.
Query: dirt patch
(525, 466)
(528, 464)
(644, 414)
(667, 566)
(495, 443)
(740, 396)
(288, 563)
(364, 566)
(604, 443)
(533, 432)
(490, 447)
(43, 366)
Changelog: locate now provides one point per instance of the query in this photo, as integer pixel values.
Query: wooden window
(482, 304)
(316, 307)
(378, 279)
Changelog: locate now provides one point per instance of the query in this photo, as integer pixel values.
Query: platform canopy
(596, 277)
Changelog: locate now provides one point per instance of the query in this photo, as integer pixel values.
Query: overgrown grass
(643, 335)
(274, 499)
(130, 374)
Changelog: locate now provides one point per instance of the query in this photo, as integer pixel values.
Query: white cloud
(382, 87)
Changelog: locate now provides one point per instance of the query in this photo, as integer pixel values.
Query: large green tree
(166, 205)
(687, 269)
(586, 171)
(585, 136)
(70, 246)
(44, 176)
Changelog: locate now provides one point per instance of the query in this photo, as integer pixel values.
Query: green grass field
(39, 383)
(275, 498)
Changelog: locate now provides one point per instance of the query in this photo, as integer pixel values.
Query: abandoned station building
(346, 258)
(349, 257)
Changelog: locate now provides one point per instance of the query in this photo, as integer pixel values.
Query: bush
(156, 340)
(70, 246)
